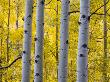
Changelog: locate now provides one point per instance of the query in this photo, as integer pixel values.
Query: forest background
(11, 40)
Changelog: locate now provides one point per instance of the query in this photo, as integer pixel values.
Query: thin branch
(48, 3)
(93, 12)
(14, 61)
(98, 13)
(79, 11)
(51, 9)
(99, 8)
(73, 12)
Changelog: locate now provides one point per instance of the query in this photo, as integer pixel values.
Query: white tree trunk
(82, 58)
(27, 42)
(38, 68)
(63, 58)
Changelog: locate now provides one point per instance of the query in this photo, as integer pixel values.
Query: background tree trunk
(82, 58)
(105, 46)
(27, 42)
(57, 61)
(1, 60)
(8, 36)
(63, 58)
(17, 13)
(8, 30)
(38, 68)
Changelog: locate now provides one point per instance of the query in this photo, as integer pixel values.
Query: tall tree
(82, 58)
(27, 42)
(0, 58)
(1, 52)
(8, 33)
(38, 68)
(105, 45)
(57, 36)
(63, 58)
(8, 30)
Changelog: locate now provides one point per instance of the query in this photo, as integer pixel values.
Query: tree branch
(93, 12)
(79, 11)
(5, 67)
(51, 9)
(73, 12)
(99, 8)
(48, 3)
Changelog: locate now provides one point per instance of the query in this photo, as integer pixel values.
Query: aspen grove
(54, 41)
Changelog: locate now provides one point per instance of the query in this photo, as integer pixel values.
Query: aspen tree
(27, 42)
(82, 58)
(38, 68)
(63, 58)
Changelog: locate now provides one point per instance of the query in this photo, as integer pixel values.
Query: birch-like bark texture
(38, 68)
(82, 58)
(27, 42)
(63, 57)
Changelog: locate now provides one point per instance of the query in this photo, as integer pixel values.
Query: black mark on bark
(37, 56)
(83, 16)
(25, 31)
(35, 39)
(24, 52)
(42, 2)
(82, 55)
(79, 23)
(37, 74)
(36, 61)
(67, 42)
(84, 45)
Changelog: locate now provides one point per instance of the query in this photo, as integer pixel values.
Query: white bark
(27, 42)
(82, 58)
(63, 58)
(38, 68)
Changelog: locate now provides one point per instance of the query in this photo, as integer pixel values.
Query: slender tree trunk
(63, 58)
(1, 60)
(8, 30)
(7, 39)
(105, 46)
(17, 13)
(0, 72)
(57, 37)
(57, 32)
(82, 58)
(27, 42)
(38, 68)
